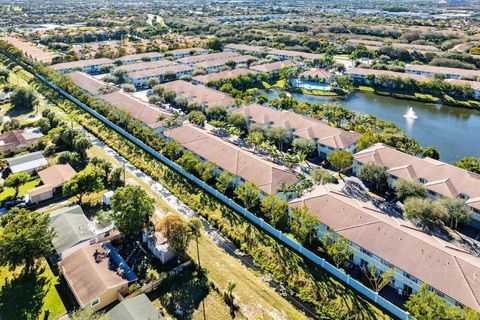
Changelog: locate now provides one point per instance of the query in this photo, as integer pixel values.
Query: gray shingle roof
(71, 227)
(137, 308)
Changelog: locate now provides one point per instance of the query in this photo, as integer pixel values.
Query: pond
(455, 132)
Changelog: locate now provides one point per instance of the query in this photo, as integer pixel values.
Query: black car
(15, 203)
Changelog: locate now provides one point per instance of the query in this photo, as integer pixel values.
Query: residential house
(139, 110)
(92, 66)
(448, 73)
(439, 178)
(29, 163)
(392, 243)
(182, 53)
(19, 140)
(74, 231)
(207, 57)
(280, 54)
(136, 308)
(245, 49)
(198, 93)
(97, 275)
(326, 137)
(134, 58)
(158, 245)
(53, 179)
(243, 164)
(163, 74)
(222, 75)
(87, 82)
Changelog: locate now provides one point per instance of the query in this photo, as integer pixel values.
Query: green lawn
(28, 296)
(9, 192)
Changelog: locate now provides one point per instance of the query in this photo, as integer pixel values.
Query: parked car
(15, 203)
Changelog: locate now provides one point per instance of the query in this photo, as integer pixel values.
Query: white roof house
(27, 163)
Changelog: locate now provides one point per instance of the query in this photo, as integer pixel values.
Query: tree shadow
(181, 295)
(22, 297)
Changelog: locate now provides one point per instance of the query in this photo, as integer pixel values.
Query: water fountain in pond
(410, 114)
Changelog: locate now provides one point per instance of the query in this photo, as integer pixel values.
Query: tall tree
(374, 174)
(427, 305)
(469, 164)
(87, 181)
(24, 98)
(406, 189)
(177, 232)
(224, 182)
(16, 180)
(274, 208)
(457, 211)
(337, 248)
(86, 314)
(303, 225)
(378, 280)
(341, 159)
(248, 193)
(425, 211)
(279, 136)
(132, 209)
(322, 176)
(24, 237)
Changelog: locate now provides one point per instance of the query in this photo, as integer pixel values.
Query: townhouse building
(91, 66)
(140, 78)
(244, 165)
(203, 95)
(439, 178)
(192, 60)
(186, 52)
(217, 65)
(327, 138)
(392, 243)
(222, 75)
(448, 73)
(134, 58)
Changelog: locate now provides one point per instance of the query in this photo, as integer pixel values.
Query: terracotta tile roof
(274, 66)
(139, 110)
(319, 73)
(441, 265)
(86, 82)
(303, 126)
(31, 50)
(207, 57)
(199, 93)
(16, 138)
(87, 278)
(227, 74)
(267, 175)
(443, 178)
(184, 51)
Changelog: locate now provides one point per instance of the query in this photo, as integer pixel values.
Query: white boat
(410, 114)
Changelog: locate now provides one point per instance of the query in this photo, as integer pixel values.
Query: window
(432, 193)
(365, 252)
(95, 302)
(463, 196)
(422, 180)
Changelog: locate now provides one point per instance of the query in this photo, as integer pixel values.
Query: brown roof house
(97, 275)
(243, 164)
(198, 93)
(327, 138)
(19, 140)
(388, 242)
(53, 179)
(439, 178)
